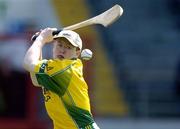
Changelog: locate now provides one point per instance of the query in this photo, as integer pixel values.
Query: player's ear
(78, 52)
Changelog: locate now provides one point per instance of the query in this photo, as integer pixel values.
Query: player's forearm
(33, 55)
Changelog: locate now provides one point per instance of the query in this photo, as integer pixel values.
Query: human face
(63, 49)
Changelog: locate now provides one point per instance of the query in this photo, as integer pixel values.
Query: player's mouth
(60, 57)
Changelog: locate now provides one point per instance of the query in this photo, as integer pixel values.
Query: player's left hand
(44, 35)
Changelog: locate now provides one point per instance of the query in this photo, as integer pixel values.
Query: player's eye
(60, 45)
(68, 47)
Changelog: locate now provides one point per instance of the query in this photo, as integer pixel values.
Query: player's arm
(33, 54)
(33, 75)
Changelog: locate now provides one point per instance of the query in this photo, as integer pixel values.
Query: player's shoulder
(79, 62)
(75, 62)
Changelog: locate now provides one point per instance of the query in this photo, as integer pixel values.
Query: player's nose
(61, 50)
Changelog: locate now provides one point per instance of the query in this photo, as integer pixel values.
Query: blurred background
(134, 76)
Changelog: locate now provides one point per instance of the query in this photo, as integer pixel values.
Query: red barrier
(31, 120)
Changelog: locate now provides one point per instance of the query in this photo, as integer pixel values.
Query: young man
(64, 88)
